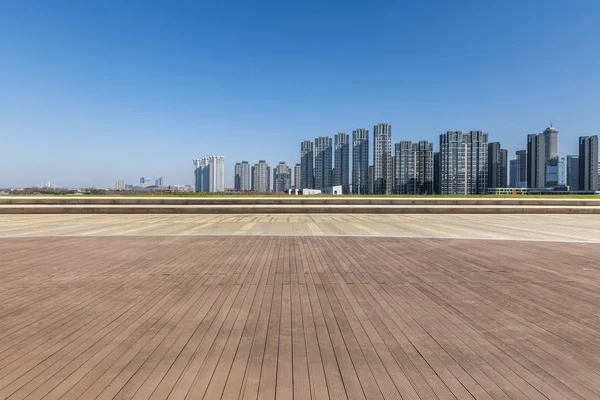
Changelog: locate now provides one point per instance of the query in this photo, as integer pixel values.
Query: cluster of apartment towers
(465, 164)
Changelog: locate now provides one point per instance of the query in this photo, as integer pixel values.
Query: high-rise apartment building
(282, 178)
(536, 161)
(209, 174)
(307, 162)
(323, 162)
(413, 168)
(382, 159)
(573, 172)
(463, 162)
(497, 168)
(588, 163)
(477, 146)
(453, 163)
(521, 179)
(297, 176)
(341, 174)
(159, 181)
(242, 181)
(404, 176)
(360, 161)
(261, 177)
(120, 184)
(423, 167)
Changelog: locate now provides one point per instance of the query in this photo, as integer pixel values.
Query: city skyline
(465, 163)
(94, 93)
(510, 162)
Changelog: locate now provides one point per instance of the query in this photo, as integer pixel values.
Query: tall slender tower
(297, 176)
(536, 160)
(550, 142)
(342, 162)
(360, 161)
(307, 165)
(382, 158)
(588, 163)
(521, 179)
(323, 161)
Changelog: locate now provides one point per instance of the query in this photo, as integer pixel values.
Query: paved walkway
(531, 227)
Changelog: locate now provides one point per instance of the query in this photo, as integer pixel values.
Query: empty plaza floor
(323, 307)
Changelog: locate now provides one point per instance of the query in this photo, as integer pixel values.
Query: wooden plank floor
(263, 317)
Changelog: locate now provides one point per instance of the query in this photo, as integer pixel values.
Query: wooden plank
(297, 317)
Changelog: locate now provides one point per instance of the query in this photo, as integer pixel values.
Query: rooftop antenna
(550, 122)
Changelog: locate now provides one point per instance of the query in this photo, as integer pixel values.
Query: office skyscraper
(382, 158)
(282, 178)
(360, 161)
(453, 163)
(588, 163)
(323, 162)
(242, 180)
(550, 142)
(159, 181)
(307, 162)
(209, 174)
(497, 168)
(536, 161)
(573, 172)
(341, 174)
(521, 180)
(261, 177)
(297, 176)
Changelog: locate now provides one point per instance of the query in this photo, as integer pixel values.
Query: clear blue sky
(94, 91)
